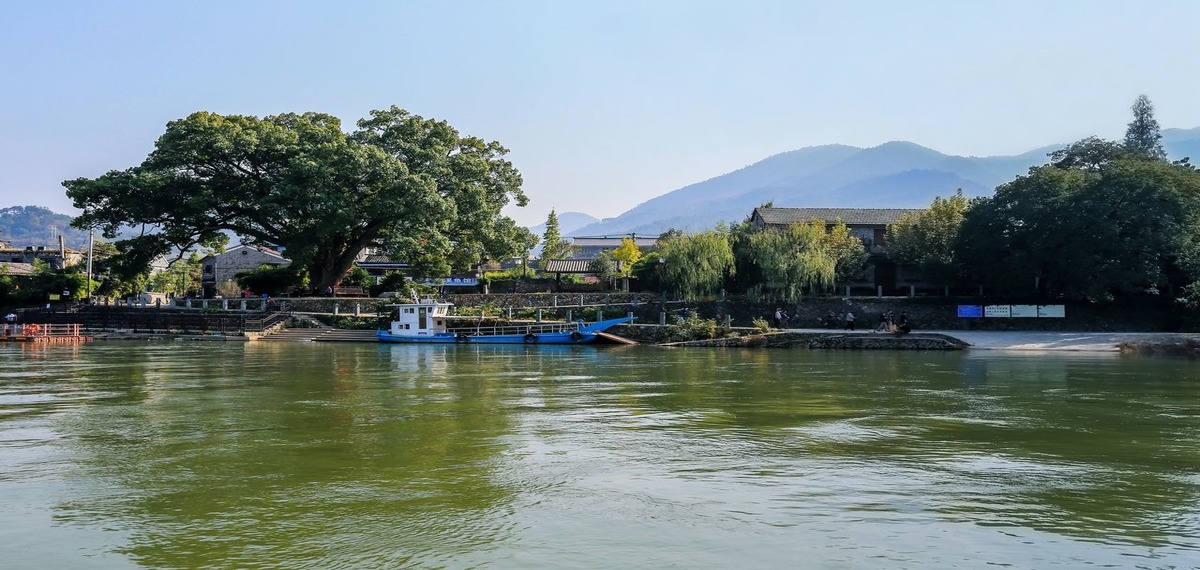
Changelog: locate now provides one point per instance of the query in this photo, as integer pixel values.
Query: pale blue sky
(604, 104)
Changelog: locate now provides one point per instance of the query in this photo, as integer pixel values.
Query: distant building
(868, 224)
(58, 258)
(590, 247)
(220, 270)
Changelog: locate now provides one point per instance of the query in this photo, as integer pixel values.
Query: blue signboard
(970, 311)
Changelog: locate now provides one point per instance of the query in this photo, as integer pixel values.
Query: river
(321, 455)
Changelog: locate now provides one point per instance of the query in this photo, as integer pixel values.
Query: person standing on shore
(849, 320)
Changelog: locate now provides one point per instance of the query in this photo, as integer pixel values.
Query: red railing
(40, 330)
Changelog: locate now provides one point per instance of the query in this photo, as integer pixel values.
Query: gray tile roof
(565, 265)
(848, 216)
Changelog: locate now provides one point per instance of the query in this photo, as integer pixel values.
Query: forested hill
(22, 226)
(897, 174)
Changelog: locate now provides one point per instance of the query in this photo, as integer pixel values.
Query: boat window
(421, 316)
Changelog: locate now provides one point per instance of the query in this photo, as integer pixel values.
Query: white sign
(1024, 311)
(997, 311)
(1054, 311)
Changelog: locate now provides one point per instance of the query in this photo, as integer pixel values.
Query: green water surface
(320, 455)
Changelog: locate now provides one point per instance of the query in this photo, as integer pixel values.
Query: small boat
(428, 320)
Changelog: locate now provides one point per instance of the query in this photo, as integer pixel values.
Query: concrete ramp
(608, 337)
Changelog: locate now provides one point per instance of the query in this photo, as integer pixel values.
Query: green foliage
(696, 264)
(554, 246)
(1095, 223)
(22, 226)
(1143, 137)
(604, 268)
(412, 187)
(649, 271)
(270, 279)
(628, 254)
(511, 274)
(793, 257)
(180, 278)
(761, 325)
(691, 327)
(358, 277)
(848, 252)
(394, 281)
(927, 239)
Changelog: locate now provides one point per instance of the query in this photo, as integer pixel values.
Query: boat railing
(529, 328)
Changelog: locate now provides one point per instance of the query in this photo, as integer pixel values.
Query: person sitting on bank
(902, 324)
(884, 322)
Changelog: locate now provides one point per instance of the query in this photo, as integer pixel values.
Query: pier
(43, 333)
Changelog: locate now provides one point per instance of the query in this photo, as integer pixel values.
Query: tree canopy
(695, 264)
(811, 255)
(1142, 136)
(554, 245)
(927, 238)
(412, 187)
(1095, 222)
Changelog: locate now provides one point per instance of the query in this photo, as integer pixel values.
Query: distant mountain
(22, 226)
(897, 174)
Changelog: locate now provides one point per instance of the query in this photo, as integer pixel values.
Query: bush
(761, 325)
(691, 327)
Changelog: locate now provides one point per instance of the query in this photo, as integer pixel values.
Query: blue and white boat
(429, 320)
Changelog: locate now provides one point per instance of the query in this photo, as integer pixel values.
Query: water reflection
(232, 455)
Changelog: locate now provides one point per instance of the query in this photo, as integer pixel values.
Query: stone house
(868, 224)
(218, 271)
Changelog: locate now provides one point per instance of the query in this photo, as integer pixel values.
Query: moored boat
(429, 321)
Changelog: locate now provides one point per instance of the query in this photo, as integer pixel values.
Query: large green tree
(410, 186)
(794, 257)
(695, 264)
(927, 238)
(1094, 223)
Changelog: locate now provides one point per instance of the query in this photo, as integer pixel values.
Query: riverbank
(1150, 342)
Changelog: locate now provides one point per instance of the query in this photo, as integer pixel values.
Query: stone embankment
(812, 340)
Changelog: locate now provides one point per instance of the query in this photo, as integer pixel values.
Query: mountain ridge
(894, 174)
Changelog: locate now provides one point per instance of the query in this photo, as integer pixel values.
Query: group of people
(780, 318)
(889, 322)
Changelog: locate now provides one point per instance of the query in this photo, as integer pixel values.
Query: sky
(603, 104)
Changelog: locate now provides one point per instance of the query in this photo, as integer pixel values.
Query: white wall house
(219, 270)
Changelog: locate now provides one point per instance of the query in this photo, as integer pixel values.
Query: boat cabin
(427, 317)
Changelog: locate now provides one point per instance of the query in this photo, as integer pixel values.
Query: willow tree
(411, 187)
(794, 257)
(696, 264)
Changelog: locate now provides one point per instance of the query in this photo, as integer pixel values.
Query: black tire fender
(576, 336)
(531, 338)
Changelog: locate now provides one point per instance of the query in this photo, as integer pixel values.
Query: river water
(314, 455)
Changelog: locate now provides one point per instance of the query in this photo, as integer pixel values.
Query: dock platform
(43, 333)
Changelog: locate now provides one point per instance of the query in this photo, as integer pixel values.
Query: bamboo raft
(45, 333)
